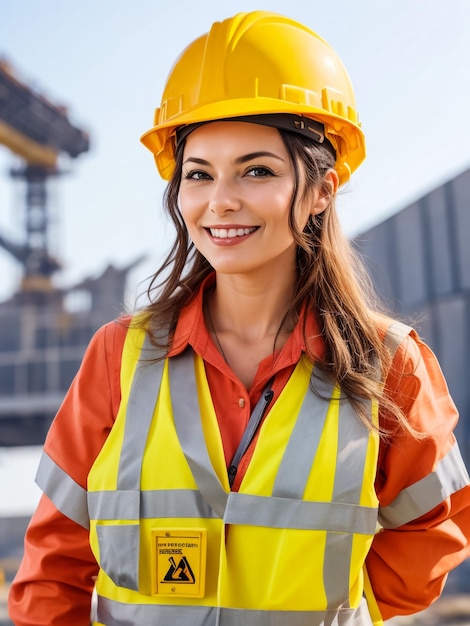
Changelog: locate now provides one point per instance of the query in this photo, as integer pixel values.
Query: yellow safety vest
(175, 545)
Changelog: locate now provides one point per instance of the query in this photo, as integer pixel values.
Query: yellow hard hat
(253, 64)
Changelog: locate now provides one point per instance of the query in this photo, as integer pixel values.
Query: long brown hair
(330, 279)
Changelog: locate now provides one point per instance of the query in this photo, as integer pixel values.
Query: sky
(107, 61)
(18, 467)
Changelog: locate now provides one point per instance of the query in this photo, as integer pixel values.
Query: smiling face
(235, 196)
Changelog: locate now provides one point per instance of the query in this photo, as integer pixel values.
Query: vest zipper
(251, 428)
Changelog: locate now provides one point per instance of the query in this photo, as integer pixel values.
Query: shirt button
(241, 403)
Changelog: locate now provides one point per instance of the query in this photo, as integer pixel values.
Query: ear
(325, 192)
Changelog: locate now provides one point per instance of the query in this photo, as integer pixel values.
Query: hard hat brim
(160, 139)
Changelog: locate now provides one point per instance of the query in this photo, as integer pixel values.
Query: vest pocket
(119, 553)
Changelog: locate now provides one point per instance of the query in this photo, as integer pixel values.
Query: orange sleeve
(87, 414)
(408, 565)
(54, 583)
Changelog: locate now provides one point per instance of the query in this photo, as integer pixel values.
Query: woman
(258, 446)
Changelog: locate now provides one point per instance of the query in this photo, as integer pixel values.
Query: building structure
(42, 342)
(419, 260)
(44, 329)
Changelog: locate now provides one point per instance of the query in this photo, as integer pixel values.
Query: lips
(230, 233)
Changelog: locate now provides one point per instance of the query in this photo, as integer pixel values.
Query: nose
(223, 198)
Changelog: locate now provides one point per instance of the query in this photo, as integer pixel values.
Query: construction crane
(38, 131)
(44, 327)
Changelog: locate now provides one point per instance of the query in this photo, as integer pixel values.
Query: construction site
(44, 329)
(419, 260)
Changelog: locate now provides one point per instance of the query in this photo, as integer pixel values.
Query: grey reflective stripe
(302, 446)
(114, 505)
(395, 334)
(120, 505)
(188, 424)
(139, 414)
(449, 476)
(338, 517)
(120, 544)
(353, 441)
(112, 613)
(67, 495)
(241, 509)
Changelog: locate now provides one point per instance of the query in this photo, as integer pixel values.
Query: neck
(246, 320)
(251, 312)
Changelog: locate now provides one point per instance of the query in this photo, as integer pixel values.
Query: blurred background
(81, 223)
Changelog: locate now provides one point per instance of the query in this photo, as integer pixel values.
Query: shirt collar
(191, 329)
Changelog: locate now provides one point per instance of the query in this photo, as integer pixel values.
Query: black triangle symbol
(181, 573)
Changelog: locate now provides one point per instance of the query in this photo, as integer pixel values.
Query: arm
(54, 583)
(55, 580)
(422, 488)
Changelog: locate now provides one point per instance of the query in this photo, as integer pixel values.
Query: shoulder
(415, 381)
(402, 342)
(88, 410)
(110, 337)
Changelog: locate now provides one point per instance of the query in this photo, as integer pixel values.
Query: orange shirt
(407, 569)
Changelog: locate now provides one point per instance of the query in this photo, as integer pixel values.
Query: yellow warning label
(179, 562)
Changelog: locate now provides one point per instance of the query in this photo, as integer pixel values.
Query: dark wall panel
(376, 249)
(410, 257)
(452, 320)
(437, 226)
(419, 260)
(460, 188)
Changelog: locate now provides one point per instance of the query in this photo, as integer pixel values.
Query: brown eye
(196, 175)
(259, 171)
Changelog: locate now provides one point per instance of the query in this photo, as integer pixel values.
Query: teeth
(224, 233)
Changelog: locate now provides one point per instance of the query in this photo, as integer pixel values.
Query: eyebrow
(241, 159)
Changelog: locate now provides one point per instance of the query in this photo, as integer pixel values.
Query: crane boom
(38, 131)
(33, 127)
(29, 150)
